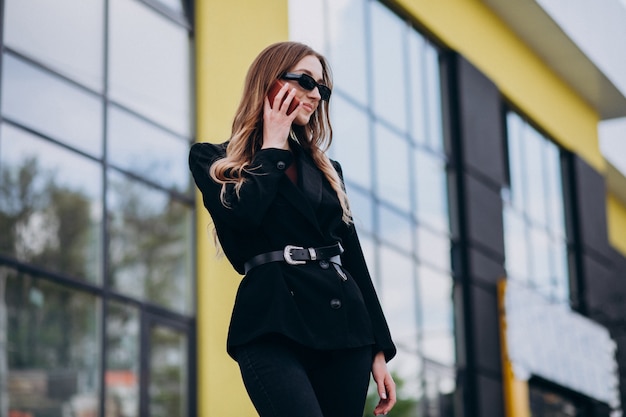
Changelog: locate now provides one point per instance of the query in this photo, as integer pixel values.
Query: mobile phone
(274, 89)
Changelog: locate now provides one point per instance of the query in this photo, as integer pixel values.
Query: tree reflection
(44, 223)
(149, 244)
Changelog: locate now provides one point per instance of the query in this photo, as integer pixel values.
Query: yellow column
(228, 36)
(516, 396)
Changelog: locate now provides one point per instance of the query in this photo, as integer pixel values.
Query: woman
(307, 327)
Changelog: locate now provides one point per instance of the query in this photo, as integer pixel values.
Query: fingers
(276, 121)
(283, 99)
(387, 393)
(382, 391)
(284, 107)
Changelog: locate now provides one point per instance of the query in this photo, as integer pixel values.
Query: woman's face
(312, 66)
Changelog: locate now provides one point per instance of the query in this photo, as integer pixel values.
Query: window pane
(148, 151)
(346, 34)
(351, 142)
(535, 175)
(65, 35)
(540, 261)
(558, 257)
(418, 87)
(122, 373)
(305, 15)
(515, 245)
(50, 205)
(435, 291)
(433, 99)
(150, 68)
(556, 217)
(433, 248)
(396, 229)
(150, 244)
(51, 106)
(392, 168)
(431, 188)
(398, 297)
(388, 49)
(168, 372)
(53, 348)
(515, 130)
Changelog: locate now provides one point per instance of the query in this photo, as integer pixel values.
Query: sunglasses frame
(305, 81)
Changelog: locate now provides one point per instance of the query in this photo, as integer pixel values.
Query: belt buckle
(287, 255)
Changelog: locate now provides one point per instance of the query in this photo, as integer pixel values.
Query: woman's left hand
(385, 385)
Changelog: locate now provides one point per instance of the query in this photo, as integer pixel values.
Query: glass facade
(387, 129)
(534, 219)
(96, 209)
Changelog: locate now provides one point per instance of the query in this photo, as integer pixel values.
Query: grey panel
(484, 216)
(602, 295)
(591, 202)
(486, 330)
(481, 123)
(485, 267)
(490, 398)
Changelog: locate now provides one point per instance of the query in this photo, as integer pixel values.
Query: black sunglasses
(308, 83)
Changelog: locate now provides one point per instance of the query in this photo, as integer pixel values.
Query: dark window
(534, 218)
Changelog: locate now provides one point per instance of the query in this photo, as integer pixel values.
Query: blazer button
(335, 304)
(281, 165)
(324, 264)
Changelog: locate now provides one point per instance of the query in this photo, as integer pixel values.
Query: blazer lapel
(308, 195)
(296, 197)
(310, 179)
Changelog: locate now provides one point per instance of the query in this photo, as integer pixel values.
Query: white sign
(551, 341)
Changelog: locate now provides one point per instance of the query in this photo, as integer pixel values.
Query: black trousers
(284, 379)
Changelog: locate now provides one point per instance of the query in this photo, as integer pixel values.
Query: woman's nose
(315, 93)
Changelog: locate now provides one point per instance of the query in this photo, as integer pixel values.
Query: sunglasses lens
(324, 92)
(307, 82)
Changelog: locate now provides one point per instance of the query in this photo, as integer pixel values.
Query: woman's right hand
(276, 121)
(385, 385)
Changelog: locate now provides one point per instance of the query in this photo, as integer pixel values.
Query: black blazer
(309, 303)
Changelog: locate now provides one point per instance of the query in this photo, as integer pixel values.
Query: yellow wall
(229, 34)
(472, 29)
(616, 218)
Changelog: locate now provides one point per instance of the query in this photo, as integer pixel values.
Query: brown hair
(247, 130)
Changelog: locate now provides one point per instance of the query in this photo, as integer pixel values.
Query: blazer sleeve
(353, 261)
(246, 210)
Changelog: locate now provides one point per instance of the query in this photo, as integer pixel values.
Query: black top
(312, 304)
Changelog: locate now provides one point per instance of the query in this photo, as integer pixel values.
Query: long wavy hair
(247, 130)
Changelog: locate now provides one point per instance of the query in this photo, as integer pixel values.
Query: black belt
(296, 255)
